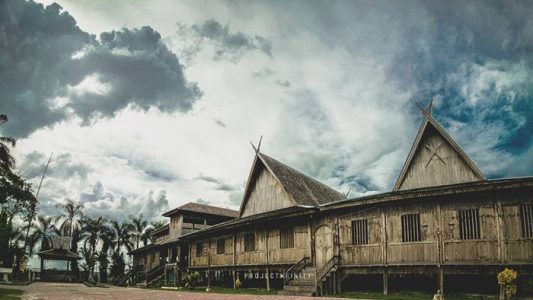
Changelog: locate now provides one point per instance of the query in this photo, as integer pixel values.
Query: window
(249, 242)
(411, 228)
(526, 220)
(199, 249)
(221, 246)
(286, 238)
(360, 232)
(468, 224)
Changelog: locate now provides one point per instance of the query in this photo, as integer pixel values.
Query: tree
(107, 237)
(139, 226)
(41, 233)
(122, 235)
(93, 230)
(16, 198)
(72, 216)
(15, 193)
(147, 235)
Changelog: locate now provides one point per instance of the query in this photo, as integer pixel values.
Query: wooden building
(167, 257)
(444, 226)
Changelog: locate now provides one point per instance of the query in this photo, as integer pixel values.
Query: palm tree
(147, 235)
(42, 231)
(93, 230)
(139, 226)
(72, 216)
(107, 236)
(122, 235)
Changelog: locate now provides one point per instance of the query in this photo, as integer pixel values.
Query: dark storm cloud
(62, 166)
(231, 41)
(228, 44)
(44, 54)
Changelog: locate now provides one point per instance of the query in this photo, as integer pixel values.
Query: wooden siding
(266, 195)
(276, 255)
(451, 169)
(497, 243)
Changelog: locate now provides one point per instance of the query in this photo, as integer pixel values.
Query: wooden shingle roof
(204, 209)
(304, 190)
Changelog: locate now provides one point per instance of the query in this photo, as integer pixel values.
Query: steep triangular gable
(263, 191)
(436, 159)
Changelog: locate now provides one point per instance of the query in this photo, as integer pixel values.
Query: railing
(324, 271)
(154, 273)
(296, 268)
(124, 277)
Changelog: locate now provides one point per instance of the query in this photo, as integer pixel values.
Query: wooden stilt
(267, 279)
(385, 282)
(441, 280)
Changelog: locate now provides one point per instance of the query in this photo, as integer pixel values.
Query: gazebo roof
(58, 254)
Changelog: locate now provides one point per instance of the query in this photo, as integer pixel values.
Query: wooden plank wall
(421, 174)
(266, 195)
(512, 248)
(276, 254)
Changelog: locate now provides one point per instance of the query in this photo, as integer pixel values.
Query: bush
(506, 280)
(191, 279)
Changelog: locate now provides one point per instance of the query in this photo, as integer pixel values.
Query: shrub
(238, 283)
(506, 280)
(191, 279)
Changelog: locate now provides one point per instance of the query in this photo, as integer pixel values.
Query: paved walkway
(75, 291)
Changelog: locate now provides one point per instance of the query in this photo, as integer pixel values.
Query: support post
(385, 282)
(267, 261)
(441, 280)
(234, 260)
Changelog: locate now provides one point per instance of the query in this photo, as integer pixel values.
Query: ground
(48, 290)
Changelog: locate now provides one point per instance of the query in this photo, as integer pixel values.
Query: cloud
(220, 184)
(62, 166)
(228, 45)
(101, 202)
(52, 71)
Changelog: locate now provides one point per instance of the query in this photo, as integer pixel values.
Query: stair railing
(154, 273)
(324, 271)
(296, 268)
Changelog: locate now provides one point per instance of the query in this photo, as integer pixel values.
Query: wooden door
(323, 245)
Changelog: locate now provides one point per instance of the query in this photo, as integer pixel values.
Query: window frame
(221, 245)
(411, 228)
(526, 220)
(469, 223)
(199, 250)
(249, 242)
(288, 242)
(360, 234)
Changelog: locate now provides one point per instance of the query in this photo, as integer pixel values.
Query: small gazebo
(59, 252)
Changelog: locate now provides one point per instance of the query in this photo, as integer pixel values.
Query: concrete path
(75, 291)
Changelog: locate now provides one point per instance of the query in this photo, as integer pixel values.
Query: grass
(351, 295)
(10, 294)
(411, 296)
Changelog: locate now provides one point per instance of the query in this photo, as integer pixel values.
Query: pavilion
(59, 252)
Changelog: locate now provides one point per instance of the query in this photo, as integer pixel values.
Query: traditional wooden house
(443, 226)
(167, 257)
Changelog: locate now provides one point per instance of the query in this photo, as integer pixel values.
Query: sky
(147, 105)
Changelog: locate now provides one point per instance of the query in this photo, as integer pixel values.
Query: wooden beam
(267, 260)
(385, 282)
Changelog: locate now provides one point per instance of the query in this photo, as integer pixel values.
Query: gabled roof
(58, 254)
(430, 121)
(161, 229)
(302, 189)
(204, 209)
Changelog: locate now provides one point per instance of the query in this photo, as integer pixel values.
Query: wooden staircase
(311, 281)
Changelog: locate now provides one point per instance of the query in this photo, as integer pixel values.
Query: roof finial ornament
(426, 111)
(348, 192)
(258, 145)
